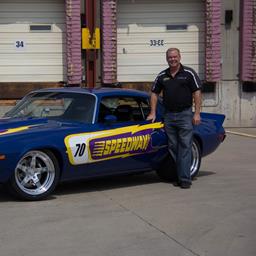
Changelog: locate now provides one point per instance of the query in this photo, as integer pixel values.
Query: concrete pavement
(140, 215)
(248, 132)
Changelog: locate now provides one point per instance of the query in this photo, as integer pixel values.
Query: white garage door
(147, 28)
(32, 36)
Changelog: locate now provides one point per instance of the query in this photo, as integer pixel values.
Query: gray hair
(173, 49)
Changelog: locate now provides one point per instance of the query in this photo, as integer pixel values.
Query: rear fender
(210, 132)
(218, 118)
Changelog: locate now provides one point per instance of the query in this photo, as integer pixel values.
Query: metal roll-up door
(147, 28)
(32, 41)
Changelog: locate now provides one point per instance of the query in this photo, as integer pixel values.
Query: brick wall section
(109, 39)
(248, 41)
(73, 42)
(213, 41)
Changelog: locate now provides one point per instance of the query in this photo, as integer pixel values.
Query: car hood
(23, 125)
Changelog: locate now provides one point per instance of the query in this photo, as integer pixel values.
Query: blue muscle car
(63, 134)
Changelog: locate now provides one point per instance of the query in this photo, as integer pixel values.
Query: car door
(128, 142)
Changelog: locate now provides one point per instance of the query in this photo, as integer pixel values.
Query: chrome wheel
(35, 174)
(196, 159)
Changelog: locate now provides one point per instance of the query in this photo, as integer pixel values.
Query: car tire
(196, 158)
(35, 176)
(167, 169)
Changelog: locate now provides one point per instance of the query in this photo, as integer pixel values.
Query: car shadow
(91, 185)
(205, 173)
(114, 182)
(4, 195)
(99, 184)
(106, 183)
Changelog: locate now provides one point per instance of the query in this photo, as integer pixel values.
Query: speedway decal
(109, 144)
(13, 130)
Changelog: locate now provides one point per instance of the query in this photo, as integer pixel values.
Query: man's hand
(196, 119)
(153, 103)
(152, 117)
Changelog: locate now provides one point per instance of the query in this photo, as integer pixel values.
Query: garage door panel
(147, 73)
(35, 56)
(36, 70)
(175, 36)
(32, 7)
(148, 69)
(157, 28)
(30, 1)
(51, 38)
(160, 42)
(146, 29)
(31, 59)
(31, 15)
(148, 49)
(155, 6)
(160, 16)
(148, 24)
(135, 78)
(41, 20)
(19, 28)
(155, 59)
(33, 48)
(36, 78)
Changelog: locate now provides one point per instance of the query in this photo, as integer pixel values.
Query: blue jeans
(179, 130)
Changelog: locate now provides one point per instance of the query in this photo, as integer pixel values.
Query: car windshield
(55, 105)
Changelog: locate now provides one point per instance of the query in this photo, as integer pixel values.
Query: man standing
(180, 85)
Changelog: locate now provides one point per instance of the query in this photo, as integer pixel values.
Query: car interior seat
(124, 113)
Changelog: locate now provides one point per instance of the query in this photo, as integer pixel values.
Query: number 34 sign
(19, 45)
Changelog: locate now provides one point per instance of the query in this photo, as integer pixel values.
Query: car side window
(125, 109)
(145, 108)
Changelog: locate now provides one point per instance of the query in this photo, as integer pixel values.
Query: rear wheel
(35, 176)
(167, 169)
(196, 159)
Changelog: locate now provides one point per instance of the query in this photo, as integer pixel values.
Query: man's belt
(178, 109)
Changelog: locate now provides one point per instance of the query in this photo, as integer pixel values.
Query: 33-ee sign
(156, 42)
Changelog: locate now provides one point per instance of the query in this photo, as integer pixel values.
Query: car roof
(99, 92)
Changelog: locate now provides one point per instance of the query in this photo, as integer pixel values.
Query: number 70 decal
(80, 148)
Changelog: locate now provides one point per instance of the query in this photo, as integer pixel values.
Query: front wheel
(167, 169)
(35, 176)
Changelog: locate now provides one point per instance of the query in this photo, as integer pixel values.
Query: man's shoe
(185, 184)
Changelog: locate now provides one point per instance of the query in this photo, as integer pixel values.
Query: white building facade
(40, 46)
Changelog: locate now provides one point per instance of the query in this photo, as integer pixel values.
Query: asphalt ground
(140, 215)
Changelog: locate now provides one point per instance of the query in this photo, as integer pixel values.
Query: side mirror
(110, 119)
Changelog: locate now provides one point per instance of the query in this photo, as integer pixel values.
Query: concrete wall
(229, 99)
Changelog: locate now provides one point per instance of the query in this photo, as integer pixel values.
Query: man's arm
(153, 103)
(197, 96)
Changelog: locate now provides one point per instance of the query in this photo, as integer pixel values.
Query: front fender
(15, 148)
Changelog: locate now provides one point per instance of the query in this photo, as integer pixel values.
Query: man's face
(173, 59)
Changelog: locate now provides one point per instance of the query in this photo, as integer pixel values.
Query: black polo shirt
(177, 90)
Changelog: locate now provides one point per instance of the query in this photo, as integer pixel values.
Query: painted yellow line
(242, 134)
